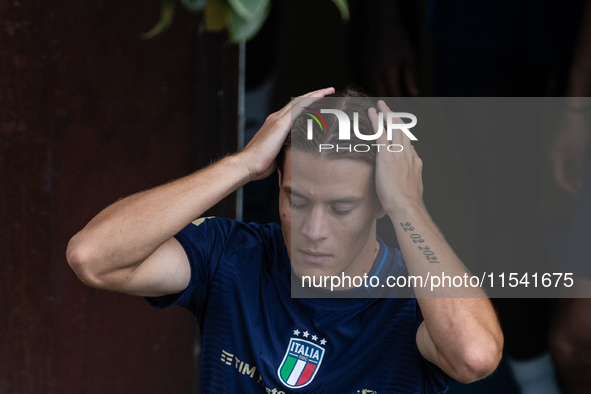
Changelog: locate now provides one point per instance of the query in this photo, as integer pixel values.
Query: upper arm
(428, 350)
(166, 271)
(169, 269)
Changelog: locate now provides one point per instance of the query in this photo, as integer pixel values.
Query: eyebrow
(344, 200)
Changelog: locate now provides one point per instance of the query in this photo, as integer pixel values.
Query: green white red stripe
(300, 363)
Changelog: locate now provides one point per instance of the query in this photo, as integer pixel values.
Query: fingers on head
(398, 136)
(383, 107)
(297, 103)
(373, 118)
(417, 160)
(320, 92)
(396, 133)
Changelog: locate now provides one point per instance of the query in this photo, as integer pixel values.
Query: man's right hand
(130, 247)
(260, 153)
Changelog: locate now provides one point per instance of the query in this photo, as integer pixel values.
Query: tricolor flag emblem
(300, 363)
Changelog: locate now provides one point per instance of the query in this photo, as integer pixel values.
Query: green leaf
(216, 16)
(249, 9)
(241, 29)
(195, 5)
(343, 8)
(166, 13)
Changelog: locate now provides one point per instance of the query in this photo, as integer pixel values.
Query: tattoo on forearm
(417, 239)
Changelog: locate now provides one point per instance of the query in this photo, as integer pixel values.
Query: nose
(316, 226)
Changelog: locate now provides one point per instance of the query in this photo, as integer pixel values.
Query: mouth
(314, 257)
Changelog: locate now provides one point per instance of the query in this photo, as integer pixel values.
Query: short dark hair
(349, 100)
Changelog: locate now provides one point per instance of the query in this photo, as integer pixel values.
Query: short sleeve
(205, 244)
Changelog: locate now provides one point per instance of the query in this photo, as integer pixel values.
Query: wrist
(405, 210)
(237, 165)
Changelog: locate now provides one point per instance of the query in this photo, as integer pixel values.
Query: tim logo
(345, 128)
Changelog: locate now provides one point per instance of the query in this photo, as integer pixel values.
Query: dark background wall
(89, 113)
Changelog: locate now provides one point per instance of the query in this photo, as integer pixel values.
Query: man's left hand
(398, 174)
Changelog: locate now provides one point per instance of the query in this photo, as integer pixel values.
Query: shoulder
(227, 223)
(220, 250)
(230, 235)
(232, 227)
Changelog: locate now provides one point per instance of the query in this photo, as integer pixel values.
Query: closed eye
(342, 210)
(341, 213)
(298, 206)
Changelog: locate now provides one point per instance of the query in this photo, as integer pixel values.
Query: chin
(305, 269)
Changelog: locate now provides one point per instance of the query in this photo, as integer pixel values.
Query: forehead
(324, 178)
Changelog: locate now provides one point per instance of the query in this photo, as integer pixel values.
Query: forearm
(460, 322)
(128, 231)
(426, 252)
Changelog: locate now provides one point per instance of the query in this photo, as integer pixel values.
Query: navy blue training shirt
(257, 339)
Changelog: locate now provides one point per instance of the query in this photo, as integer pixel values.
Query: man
(235, 277)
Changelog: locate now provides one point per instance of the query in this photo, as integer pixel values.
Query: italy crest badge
(301, 361)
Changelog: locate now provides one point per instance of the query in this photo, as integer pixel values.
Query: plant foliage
(242, 18)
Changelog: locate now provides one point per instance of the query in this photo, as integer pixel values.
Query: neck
(366, 258)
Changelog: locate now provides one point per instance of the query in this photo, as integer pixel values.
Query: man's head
(328, 203)
(349, 101)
